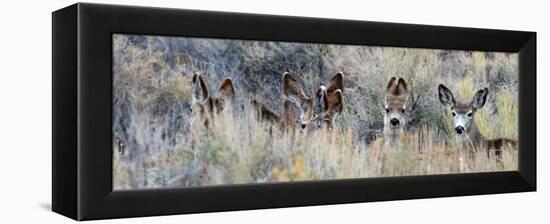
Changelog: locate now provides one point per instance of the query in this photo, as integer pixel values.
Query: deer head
(329, 101)
(463, 112)
(395, 105)
(315, 111)
(204, 105)
(297, 102)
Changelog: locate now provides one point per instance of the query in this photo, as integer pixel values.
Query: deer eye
(387, 110)
(453, 113)
(402, 110)
(470, 114)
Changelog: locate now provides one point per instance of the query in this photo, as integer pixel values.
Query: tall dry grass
(238, 150)
(151, 112)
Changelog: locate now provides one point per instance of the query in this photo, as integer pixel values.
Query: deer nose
(394, 121)
(459, 130)
(303, 125)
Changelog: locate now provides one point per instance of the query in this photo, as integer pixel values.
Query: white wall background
(25, 114)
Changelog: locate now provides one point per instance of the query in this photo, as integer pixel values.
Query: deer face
(395, 104)
(462, 111)
(329, 101)
(297, 103)
(204, 105)
(315, 111)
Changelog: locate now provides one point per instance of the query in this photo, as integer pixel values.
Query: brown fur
(335, 107)
(294, 93)
(302, 110)
(467, 110)
(335, 83)
(395, 108)
(289, 119)
(207, 106)
(334, 99)
(319, 110)
(263, 113)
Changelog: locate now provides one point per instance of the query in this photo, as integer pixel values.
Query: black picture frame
(82, 88)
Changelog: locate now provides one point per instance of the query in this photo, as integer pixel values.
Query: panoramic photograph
(192, 112)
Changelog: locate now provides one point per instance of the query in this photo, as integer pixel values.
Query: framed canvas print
(167, 111)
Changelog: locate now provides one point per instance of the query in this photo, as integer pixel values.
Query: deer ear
(291, 87)
(480, 98)
(391, 88)
(401, 87)
(227, 91)
(198, 89)
(336, 101)
(321, 104)
(445, 96)
(336, 82)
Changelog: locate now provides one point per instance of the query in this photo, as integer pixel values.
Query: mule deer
(313, 111)
(206, 106)
(395, 103)
(465, 127)
(263, 113)
(287, 122)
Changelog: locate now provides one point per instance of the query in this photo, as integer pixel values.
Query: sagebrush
(152, 109)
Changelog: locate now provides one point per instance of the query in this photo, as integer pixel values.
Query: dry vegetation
(152, 95)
